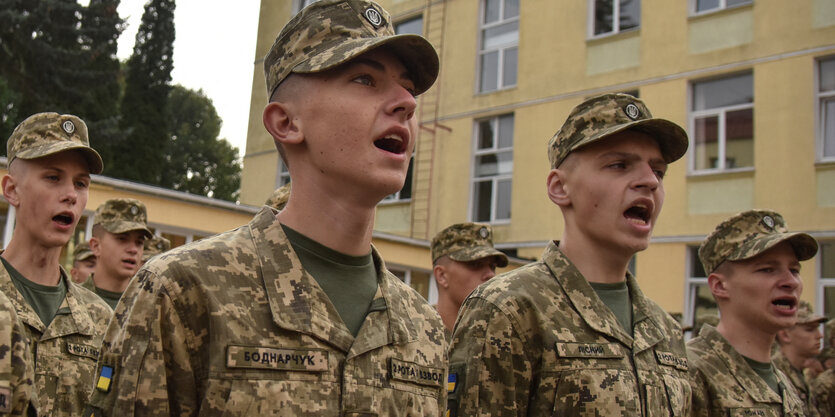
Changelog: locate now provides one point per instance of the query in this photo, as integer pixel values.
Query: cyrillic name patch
(588, 350)
(669, 359)
(83, 350)
(5, 400)
(751, 412)
(412, 372)
(308, 360)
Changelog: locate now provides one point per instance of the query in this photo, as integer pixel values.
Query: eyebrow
(630, 156)
(405, 75)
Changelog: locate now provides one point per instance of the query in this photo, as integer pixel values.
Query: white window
(699, 305)
(614, 16)
(722, 124)
(826, 104)
(492, 169)
(282, 177)
(499, 50)
(701, 6)
(826, 283)
(405, 193)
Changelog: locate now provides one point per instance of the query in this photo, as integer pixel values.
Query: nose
(403, 103)
(791, 280)
(70, 193)
(647, 178)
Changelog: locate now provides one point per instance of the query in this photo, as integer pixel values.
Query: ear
(783, 336)
(95, 246)
(557, 190)
(440, 276)
(717, 285)
(10, 190)
(279, 119)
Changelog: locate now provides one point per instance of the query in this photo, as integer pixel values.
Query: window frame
(592, 9)
(691, 286)
(820, 112)
(721, 140)
(723, 5)
(282, 174)
(495, 179)
(822, 282)
(500, 49)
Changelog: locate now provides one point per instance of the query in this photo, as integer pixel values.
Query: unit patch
(412, 372)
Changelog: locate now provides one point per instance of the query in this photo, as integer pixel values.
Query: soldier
(573, 334)
(463, 257)
(827, 355)
(753, 266)
(799, 344)
(823, 393)
(17, 378)
(50, 162)
(155, 246)
(295, 313)
(120, 229)
(83, 263)
(279, 197)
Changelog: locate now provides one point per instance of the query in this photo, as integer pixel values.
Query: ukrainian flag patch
(105, 378)
(452, 382)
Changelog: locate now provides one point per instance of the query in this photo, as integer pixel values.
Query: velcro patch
(669, 359)
(83, 350)
(5, 400)
(751, 412)
(588, 350)
(451, 382)
(253, 357)
(105, 379)
(412, 372)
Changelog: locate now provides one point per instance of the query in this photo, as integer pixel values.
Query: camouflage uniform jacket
(725, 385)
(64, 353)
(17, 377)
(232, 325)
(538, 341)
(797, 379)
(823, 391)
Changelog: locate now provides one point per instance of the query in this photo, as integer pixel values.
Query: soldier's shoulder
(416, 305)
(516, 283)
(88, 299)
(225, 249)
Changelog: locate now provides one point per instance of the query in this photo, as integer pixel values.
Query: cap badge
(768, 222)
(374, 17)
(483, 232)
(159, 245)
(632, 111)
(134, 210)
(68, 126)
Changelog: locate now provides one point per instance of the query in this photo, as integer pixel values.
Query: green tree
(196, 160)
(145, 102)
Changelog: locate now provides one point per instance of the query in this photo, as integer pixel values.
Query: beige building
(752, 81)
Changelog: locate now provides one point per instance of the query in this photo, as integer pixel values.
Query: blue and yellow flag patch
(105, 378)
(452, 382)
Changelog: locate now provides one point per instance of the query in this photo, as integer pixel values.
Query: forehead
(382, 56)
(627, 141)
(72, 161)
(782, 251)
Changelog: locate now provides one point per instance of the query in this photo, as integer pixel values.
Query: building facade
(752, 82)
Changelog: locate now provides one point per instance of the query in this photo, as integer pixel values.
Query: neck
(749, 341)
(597, 263)
(37, 263)
(795, 359)
(109, 282)
(448, 310)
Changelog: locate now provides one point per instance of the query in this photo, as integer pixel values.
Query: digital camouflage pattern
(806, 314)
(823, 392)
(232, 325)
(750, 233)
(798, 381)
(155, 246)
(44, 134)
(119, 215)
(279, 197)
(465, 242)
(64, 353)
(81, 252)
(538, 341)
(330, 32)
(602, 116)
(17, 378)
(725, 385)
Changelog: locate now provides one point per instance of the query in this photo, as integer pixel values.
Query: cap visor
(92, 157)
(805, 246)
(479, 252)
(671, 138)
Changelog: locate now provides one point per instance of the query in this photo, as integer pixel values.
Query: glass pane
(705, 134)
(489, 71)
(739, 138)
(723, 92)
(491, 11)
(730, 3)
(414, 26)
(829, 301)
(503, 200)
(506, 34)
(702, 5)
(511, 8)
(603, 16)
(482, 193)
(696, 268)
(506, 131)
(494, 164)
(704, 307)
(829, 127)
(485, 134)
(827, 255)
(826, 72)
(509, 68)
(420, 282)
(630, 14)
(406, 191)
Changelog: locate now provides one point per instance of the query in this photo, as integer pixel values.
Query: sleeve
(489, 372)
(17, 385)
(698, 384)
(146, 364)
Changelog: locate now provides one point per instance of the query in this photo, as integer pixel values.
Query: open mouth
(63, 219)
(393, 143)
(129, 261)
(784, 303)
(638, 214)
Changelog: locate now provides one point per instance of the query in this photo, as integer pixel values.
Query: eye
(82, 184)
(364, 79)
(660, 173)
(766, 270)
(617, 165)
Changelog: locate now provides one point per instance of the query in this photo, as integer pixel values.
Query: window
(413, 26)
(282, 177)
(301, 4)
(722, 123)
(826, 290)
(613, 16)
(826, 104)
(699, 306)
(714, 5)
(498, 54)
(493, 169)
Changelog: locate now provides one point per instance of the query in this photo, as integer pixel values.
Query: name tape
(309, 360)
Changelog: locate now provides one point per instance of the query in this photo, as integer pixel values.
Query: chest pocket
(752, 412)
(670, 394)
(64, 375)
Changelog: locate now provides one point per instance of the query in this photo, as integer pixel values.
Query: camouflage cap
(602, 116)
(44, 134)
(806, 314)
(466, 242)
(829, 329)
(155, 246)
(330, 32)
(750, 233)
(81, 252)
(279, 197)
(121, 215)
